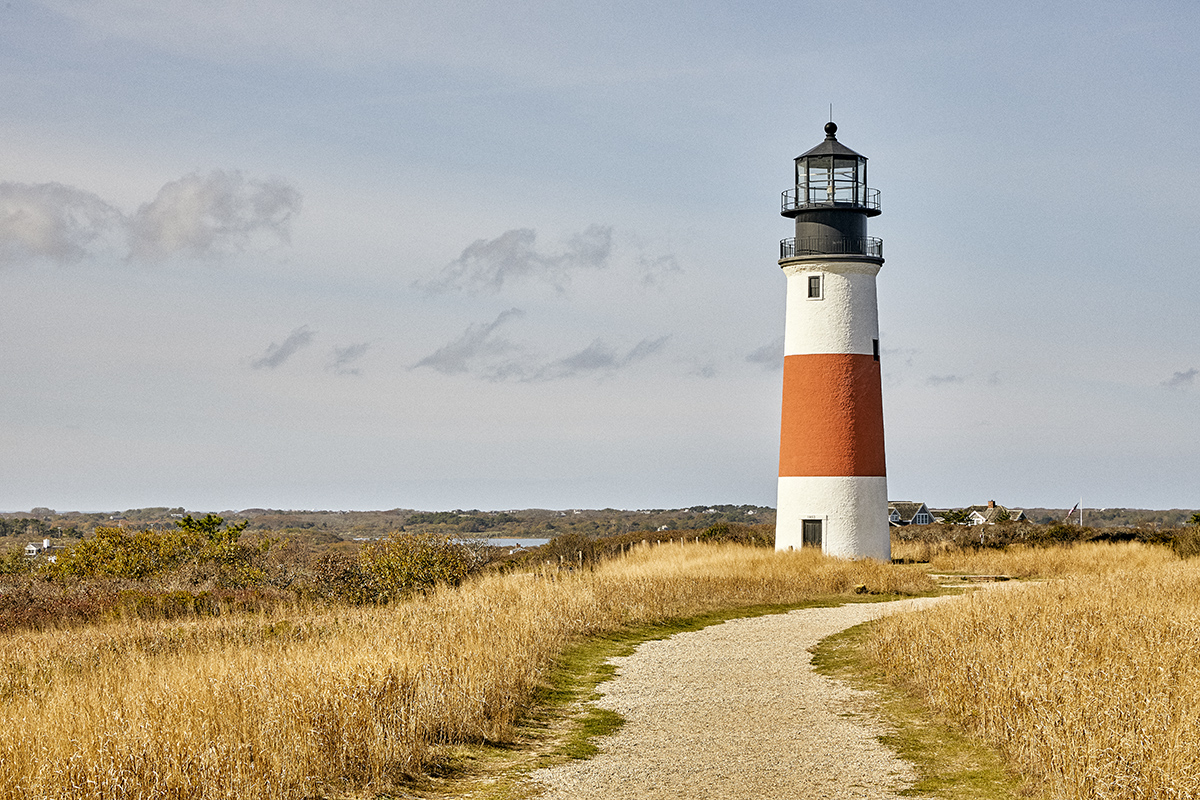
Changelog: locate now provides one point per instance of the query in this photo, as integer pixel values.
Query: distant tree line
(323, 527)
(473, 521)
(34, 528)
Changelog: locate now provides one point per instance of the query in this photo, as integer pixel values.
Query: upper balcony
(838, 195)
(869, 246)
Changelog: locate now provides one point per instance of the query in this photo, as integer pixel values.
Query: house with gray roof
(992, 513)
(903, 512)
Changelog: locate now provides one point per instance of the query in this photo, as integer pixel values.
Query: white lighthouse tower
(832, 481)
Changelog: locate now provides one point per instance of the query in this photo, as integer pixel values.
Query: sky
(377, 254)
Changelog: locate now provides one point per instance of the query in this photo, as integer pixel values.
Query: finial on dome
(830, 130)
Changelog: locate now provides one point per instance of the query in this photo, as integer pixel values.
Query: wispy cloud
(345, 358)
(769, 355)
(477, 342)
(206, 215)
(487, 264)
(1182, 380)
(276, 354)
(196, 216)
(654, 270)
(53, 222)
(482, 352)
(599, 356)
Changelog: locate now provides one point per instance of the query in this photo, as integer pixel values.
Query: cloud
(644, 349)
(51, 221)
(942, 380)
(477, 342)
(207, 215)
(590, 248)
(769, 355)
(486, 264)
(278, 353)
(196, 216)
(654, 270)
(1182, 380)
(483, 353)
(599, 356)
(344, 358)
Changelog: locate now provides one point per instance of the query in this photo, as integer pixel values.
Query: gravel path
(735, 711)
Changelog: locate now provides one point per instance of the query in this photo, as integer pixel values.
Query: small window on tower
(814, 287)
(875, 348)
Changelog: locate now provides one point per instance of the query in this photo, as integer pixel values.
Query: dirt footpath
(734, 712)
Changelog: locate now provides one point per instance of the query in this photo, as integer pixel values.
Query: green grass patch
(950, 765)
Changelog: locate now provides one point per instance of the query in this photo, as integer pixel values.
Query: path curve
(736, 712)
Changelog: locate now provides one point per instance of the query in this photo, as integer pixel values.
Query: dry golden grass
(1025, 561)
(1090, 683)
(338, 701)
(913, 551)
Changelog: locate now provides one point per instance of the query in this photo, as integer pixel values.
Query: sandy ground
(736, 711)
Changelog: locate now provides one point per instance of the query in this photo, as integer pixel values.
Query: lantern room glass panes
(845, 180)
(819, 180)
(827, 180)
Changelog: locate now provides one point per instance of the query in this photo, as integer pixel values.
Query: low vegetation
(210, 567)
(1089, 683)
(1041, 560)
(206, 659)
(330, 699)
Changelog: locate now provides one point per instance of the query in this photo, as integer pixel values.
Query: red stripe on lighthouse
(832, 416)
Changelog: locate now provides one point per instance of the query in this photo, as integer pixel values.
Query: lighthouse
(832, 481)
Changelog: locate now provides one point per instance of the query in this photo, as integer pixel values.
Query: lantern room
(831, 202)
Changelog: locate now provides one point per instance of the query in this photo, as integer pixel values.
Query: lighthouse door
(811, 533)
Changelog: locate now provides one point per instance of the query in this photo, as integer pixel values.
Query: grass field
(1089, 683)
(338, 701)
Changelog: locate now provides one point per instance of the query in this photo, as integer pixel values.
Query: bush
(570, 549)
(116, 553)
(758, 535)
(198, 551)
(336, 576)
(14, 562)
(405, 563)
(1186, 543)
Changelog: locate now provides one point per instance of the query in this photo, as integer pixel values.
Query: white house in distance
(34, 549)
(989, 514)
(992, 513)
(902, 512)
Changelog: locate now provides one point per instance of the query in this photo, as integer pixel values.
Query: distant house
(992, 513)
(902, 512)
(33, 549)
(44, 550)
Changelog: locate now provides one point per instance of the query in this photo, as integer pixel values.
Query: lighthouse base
(844, 517)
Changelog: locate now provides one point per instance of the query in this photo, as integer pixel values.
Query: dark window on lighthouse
(875, 348)
(811, 533)
(814, 287)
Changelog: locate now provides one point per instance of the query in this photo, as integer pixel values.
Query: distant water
(511, 542)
